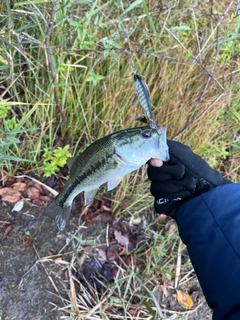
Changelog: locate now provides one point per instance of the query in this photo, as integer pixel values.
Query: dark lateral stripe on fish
(93, 167)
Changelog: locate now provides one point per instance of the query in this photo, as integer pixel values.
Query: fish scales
(107, 160)
(85, 166)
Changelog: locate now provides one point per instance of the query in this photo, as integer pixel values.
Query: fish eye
(147, 133)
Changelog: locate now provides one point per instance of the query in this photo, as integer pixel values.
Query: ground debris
(9, 195)
(99, 267)
(16, 188)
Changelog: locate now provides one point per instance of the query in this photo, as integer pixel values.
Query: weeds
(53, 159)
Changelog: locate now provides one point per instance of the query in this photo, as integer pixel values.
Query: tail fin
(57, 213)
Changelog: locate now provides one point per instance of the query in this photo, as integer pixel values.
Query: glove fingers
(194, 164)
(166, 172)
(172, 186)
(164, 203)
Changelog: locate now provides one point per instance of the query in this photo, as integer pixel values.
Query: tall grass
(85, 73)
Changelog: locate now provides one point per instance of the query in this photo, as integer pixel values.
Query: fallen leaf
(171, 227)
(9, 183)
(113, 252)
(8, 230)
(90, 250)
(3, 224)
(162, 218)
(19, 186)
(37, 202)
(18, 206)
(104, 217)
(164, 287)
(38, 186)
(27, 241)
(10, 195)
(32, 193)
(121, 239)
(107, 271)
(136, 220)
(102, 254)
(184, 299)
(45, 198)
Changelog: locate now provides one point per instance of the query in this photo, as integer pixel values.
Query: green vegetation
(53, 159)
(66, 73)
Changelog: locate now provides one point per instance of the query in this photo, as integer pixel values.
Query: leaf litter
(114, 264)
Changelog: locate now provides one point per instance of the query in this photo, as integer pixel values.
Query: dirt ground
(31, 289)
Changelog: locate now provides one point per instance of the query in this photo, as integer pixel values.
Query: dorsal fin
(142, 118)
(70, 162)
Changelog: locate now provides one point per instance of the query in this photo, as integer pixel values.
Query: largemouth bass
(107, 160)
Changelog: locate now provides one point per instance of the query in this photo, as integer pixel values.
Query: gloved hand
(184, 177)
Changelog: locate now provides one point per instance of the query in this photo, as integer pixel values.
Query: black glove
(184, 177)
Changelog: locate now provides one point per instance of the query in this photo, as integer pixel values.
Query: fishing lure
(143, 96)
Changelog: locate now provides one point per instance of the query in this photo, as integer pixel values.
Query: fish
(144, 98)
(106, 160)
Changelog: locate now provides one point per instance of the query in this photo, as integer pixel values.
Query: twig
(178, 266)
(218, 24)
(194, 58)
(54, 192)
(188, 125)
(49, 277)
(50, 60)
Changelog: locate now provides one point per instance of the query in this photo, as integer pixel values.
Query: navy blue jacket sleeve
(209, 225)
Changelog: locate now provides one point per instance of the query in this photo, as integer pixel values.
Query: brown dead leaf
(19, 186)
(10, 195)
(136, 220)
(9, 182)
(4, 224)
(8, 230)
(171, 227)
(162, 218)
(45, 199)
(164, 287)
(37, 202)
(27, 241)
(82, 258)
(102, 254)
(113, 252)
(121, 239)
(184, 299)
(90, 250)
(38, 186)
(32, 193)
(103, 217)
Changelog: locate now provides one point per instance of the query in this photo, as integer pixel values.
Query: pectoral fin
(89, 195)
(113, 183)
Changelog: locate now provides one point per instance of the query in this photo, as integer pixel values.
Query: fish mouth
(163, 149)
(167, 156)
